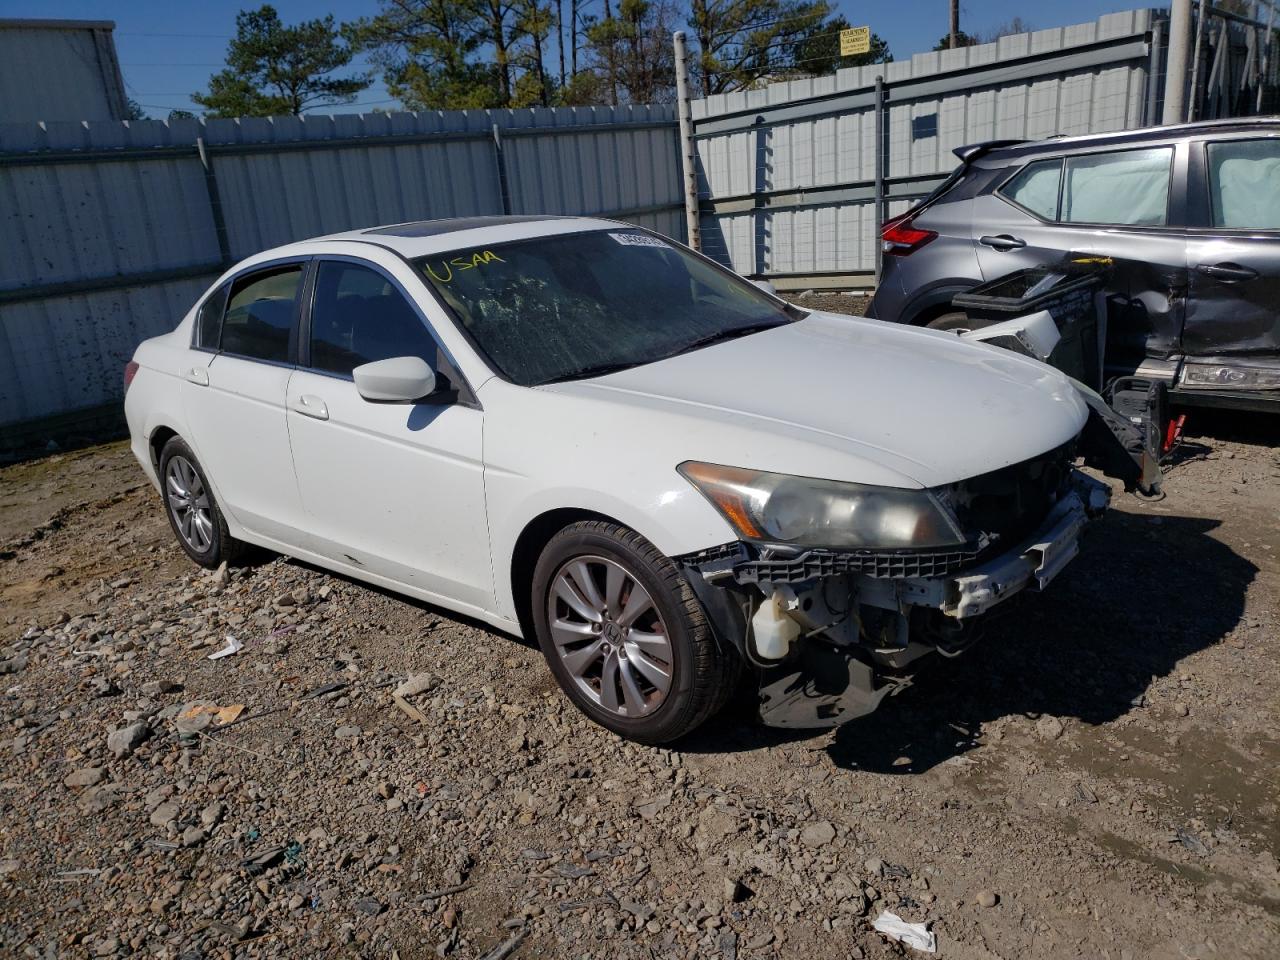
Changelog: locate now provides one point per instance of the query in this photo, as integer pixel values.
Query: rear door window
(1127, 188)
(1244, 184)
(261, 312)
(359, 316)
(1035, 188)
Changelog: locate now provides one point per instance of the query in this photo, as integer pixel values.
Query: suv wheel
(193, 513)
(956, 320)
(624, 635)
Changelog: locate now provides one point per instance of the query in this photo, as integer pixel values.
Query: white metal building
(59, 70)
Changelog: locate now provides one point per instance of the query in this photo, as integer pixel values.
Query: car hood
(923, 407)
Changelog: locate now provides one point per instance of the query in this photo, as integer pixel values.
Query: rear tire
(957, 321)
(194, 514)
(624, 635)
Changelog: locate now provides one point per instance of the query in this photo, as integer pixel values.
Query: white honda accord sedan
(578, 430)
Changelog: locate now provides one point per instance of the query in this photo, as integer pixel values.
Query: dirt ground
(1097, 779)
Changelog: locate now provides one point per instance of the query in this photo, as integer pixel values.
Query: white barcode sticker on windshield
(638, 240)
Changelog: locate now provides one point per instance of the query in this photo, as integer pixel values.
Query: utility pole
(1176, 65)
(955, 25)
(688, 151)
(1193, 99)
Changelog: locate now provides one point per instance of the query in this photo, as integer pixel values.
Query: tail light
(900, 237)
(130, 371)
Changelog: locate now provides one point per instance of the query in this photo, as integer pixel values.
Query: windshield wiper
(733, 334)
(600, 369)
(593, 370)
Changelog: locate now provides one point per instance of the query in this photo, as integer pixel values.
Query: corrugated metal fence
(110, 231)
(788, 170)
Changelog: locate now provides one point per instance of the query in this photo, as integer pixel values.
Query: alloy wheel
(188, 503)
(609, 636)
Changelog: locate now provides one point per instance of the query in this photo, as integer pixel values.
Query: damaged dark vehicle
(1186, 217)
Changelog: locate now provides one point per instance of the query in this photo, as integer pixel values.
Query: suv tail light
(899, 237)
(130, 370)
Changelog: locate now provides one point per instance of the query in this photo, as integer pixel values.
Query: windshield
(582, 304)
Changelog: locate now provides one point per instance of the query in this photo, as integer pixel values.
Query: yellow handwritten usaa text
(447, 267)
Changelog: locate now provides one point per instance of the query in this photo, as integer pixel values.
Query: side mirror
(395, 380)
(767, 287)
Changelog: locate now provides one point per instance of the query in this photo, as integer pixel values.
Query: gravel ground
(854, 302)
(1098, 779)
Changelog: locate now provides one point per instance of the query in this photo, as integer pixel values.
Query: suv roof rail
(974, 150)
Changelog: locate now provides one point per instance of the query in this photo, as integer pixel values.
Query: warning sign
(854, 41)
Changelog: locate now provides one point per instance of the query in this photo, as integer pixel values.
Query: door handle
(197, 375)
(310, 405)
(1003, 242)
(1227, 272)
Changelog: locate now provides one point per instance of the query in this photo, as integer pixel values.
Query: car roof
(997, 152)
(420, 238)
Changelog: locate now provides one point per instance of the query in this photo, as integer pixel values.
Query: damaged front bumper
(859, 618)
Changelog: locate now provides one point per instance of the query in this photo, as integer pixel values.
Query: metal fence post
(688, 150)
(215, 202)
(1193, 99)
(879, 173)
(500, 160)
(1264, 69)
(1149, 118)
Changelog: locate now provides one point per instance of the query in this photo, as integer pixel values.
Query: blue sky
(169, 49)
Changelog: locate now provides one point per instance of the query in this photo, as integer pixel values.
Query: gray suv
(1190, 214)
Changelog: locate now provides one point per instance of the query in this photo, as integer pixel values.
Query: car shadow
(1144, 593)
(422, 606)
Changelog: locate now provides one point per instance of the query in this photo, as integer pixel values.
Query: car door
(234, 394)
(391, 489)
(1124, 204)
(1233, 255)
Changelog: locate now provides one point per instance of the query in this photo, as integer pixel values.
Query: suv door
(234, 394)
(392, 489)
(1233, 255)
(1125, 204)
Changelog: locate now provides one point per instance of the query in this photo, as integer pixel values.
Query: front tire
(624, 635)
(194, 514)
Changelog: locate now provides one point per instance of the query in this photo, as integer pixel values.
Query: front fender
(543, 452)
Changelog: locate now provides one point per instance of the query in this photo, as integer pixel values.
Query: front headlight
(777, 508)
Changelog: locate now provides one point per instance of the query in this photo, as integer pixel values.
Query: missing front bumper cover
(836, 672)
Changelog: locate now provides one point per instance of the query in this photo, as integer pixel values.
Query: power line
(762, 25)
(147, 33)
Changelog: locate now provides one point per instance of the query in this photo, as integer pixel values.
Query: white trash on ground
(915, 935)
(233, 646)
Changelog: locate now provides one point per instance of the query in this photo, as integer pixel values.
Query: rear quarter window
(209, 319)
(1036, 187)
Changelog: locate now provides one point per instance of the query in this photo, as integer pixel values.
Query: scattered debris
(915, 935)
(223, 716)
(326, 689)
(233, 646)
(507, 947)
(1190, 841)
(416, 684)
